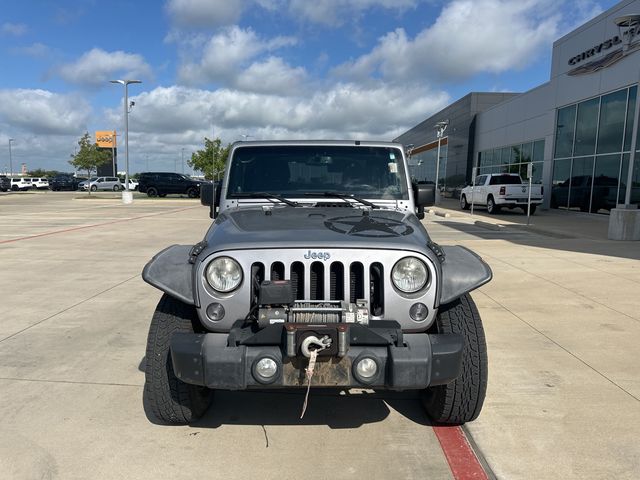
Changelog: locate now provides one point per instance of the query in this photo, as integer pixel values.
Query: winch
(276, 305)
(314, 312)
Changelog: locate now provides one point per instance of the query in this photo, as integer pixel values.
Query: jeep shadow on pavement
(316, 272)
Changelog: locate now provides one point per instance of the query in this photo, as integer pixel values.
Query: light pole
(440, 128)
(126, 195)
(182, 151)
(10, 158)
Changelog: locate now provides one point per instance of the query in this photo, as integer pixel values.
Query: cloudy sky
(265, 69)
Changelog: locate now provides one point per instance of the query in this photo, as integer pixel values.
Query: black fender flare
(462, 272)
(171, 272)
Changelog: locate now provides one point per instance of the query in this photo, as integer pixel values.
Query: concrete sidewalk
(562, 318)
(562, 223)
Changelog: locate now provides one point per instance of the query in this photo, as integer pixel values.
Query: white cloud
(204, 13)
(469, 37)
(167, 119)
(96, 67)
(36, 50)
(15, 29)
(43, 112)
(227, 53)
(344, 110)
(334, 12)
(271, 76)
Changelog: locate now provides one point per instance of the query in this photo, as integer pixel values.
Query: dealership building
(577, 129)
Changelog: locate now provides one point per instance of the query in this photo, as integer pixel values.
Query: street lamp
(440, 128)
(629, 25)
(126, 195)
(10, 159)
(182, 151)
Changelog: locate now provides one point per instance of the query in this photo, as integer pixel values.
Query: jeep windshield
(300, 171)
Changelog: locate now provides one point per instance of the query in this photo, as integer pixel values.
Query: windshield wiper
(343, 196)
(269, 196)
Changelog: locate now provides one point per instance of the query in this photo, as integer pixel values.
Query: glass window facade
(591, 155)
(514, 159)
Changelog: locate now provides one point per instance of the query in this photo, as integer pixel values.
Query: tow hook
(312, 340)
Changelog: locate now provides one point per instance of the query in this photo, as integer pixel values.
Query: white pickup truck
(497, 190)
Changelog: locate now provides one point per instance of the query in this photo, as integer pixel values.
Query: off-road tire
(152, 192)
(461, 400)
(170, 399)
(464, 205)
(492, 208)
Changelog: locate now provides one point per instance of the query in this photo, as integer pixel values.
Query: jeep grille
(326, 281)
(345, 274)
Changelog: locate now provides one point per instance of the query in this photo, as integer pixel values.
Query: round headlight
(409, 275)
(224, 274)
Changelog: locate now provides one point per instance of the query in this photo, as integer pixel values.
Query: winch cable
(309, 374)
(313, 355)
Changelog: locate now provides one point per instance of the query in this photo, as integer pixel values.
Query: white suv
(20, 183)
(40, 183)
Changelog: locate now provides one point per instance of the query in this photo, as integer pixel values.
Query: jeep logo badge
(317, 255)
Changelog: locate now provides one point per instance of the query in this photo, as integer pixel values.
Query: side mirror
(210, 196)
(424, 194)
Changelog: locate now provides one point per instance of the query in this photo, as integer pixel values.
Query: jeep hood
(313, 227)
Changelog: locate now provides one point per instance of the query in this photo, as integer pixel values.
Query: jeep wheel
(491, 206)
(464, 205)
(192, 193)
(170, 399)
(461, 400)
(152, 192)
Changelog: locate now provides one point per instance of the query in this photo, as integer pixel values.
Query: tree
(89, 157)
(40, 172)
(211, 160)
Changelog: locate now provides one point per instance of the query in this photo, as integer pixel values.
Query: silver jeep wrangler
(316, 272)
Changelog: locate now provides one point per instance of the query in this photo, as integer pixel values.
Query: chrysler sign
(607, 60)
(606, 45)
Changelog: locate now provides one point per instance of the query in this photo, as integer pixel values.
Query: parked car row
(154, 184)
(22, 183)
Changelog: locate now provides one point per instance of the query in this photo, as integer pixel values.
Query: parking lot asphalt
(562, 317)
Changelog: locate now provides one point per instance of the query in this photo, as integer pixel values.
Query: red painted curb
(459, 454)
(82, 227)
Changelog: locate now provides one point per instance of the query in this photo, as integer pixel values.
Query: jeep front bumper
(403, 361)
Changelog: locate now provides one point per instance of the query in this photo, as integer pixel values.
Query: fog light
(265, 370)
(366, 369)
(418, 312)
(215, 312)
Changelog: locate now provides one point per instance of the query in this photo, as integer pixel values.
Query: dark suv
(161, 184)
(63, 182)
(5, 183)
